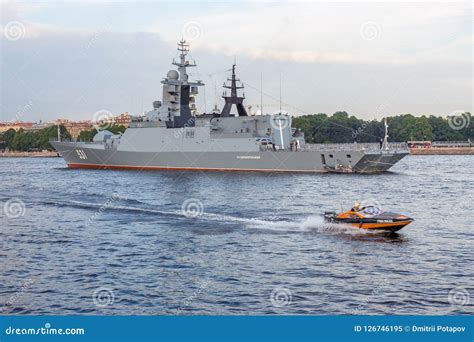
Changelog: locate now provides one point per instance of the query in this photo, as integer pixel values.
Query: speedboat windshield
(370, 211)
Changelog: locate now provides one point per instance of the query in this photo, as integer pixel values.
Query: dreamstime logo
(14, 208)
(103, 297)
(192, 30)
(103, 119)
(281, 297)
(458, 296)
(458, 120)
(14, 30)
(278, 121)
(370, 30)
(192, 207)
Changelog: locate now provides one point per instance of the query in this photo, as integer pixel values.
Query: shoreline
(442, 151)
(48, 154)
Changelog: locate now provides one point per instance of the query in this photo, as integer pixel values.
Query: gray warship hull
(83, 155)
(174, 136)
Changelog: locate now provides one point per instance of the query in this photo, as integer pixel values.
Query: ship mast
(178, 93)
(234, 98)
(385, 138)
(183, 48)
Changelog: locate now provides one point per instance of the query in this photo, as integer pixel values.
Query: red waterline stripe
(130, 167)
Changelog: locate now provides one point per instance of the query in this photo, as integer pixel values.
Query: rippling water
(119, 242)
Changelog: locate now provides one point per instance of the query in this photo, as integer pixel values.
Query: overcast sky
(72, 59)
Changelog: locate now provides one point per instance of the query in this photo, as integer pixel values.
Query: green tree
(87, 135)
(7, 138)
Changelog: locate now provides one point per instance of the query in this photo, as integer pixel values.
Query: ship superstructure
(174, 136)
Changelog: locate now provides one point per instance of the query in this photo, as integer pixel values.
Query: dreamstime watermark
(371, 202)
(370, 30)
(281, 297)
(103, 119)
(14, 208)
(458, 296)
(279, 122)
(359, 130)
(46, 330)
(95, 38)
(179, 132)
(187, 302)
(192, 207)
(22, 111)
(14, 298)
(14, 30)
(192, 31)
(375, 292)
(459, 119)
(103, 296)
(104, 207)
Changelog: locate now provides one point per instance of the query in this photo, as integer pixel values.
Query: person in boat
(356, 207)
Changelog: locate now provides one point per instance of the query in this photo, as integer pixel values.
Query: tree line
(318, 128)
(22, 140)
(342, 128)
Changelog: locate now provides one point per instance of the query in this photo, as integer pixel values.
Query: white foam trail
(312, 223)
(309, 223)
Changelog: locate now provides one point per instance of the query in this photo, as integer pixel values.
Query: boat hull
(388, 222)
(80, 155)
(388, 227)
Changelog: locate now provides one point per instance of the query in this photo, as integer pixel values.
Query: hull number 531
(81, 154)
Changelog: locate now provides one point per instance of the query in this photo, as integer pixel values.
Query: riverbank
(443, 151)
(46, 154)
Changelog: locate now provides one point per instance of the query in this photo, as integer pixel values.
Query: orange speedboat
(370, 218)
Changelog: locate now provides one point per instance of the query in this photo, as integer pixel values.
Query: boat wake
(309, 224)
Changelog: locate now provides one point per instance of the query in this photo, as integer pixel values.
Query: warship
(174, 136)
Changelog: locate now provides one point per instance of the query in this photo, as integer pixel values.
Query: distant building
(123, 119)
(5, 126)
(75, 127)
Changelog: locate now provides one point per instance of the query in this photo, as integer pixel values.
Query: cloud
(330, 32)
(419, 61)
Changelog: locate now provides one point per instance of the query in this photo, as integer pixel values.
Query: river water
(180, 243)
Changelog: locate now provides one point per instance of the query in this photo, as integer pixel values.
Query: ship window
(190, 134)
(323, 159)
(330, 156)
(348, 155)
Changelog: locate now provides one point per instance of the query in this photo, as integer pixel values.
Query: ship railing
(72, 140)
(451, 144)
(366, 147)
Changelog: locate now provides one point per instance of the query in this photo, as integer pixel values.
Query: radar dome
(172, 75)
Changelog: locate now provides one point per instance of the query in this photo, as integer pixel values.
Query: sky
(372, 59)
